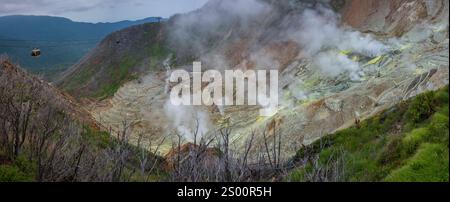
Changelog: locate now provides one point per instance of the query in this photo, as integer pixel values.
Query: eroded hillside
(339, 62)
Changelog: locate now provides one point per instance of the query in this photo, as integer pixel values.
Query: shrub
(10, 173)
(439, 128)
(297, 175)
(390, 152)
(26, 166)
(442, 96)
(421, 108)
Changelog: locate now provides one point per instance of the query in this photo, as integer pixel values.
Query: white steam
(320, 30)
(188, 121)
(321, 39)
(254, 25)
(333, 64)
(317, 32)
(217, 20)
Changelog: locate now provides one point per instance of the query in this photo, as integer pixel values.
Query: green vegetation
(124, 72)
(21, 170)
(429, 164)
(80, 78)
(117, 76)
(105, 72)
(409, 143)
(98, 138)
(158, 52)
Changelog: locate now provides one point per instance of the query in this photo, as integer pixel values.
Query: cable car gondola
(36, 52)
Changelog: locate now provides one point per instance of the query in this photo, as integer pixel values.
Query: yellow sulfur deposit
(345, 52)
(375, 60)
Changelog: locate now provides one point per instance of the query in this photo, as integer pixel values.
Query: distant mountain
(62, 41)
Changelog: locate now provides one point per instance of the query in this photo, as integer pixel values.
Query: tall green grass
(408, 143)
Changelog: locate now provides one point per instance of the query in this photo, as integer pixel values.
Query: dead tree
(273, 150)
(120, 150)
(225, 135)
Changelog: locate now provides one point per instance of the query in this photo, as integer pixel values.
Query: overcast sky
(99, 10)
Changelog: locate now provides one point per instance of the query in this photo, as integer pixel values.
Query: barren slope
(312, 104)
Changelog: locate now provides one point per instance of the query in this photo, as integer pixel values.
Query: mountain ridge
(62, 41)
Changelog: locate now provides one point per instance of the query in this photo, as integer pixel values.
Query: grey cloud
(98, 10)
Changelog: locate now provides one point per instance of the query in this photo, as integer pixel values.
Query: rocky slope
(19, 82)
(339, 61)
